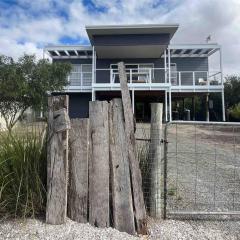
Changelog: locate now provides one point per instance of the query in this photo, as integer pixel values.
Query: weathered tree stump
(123, 217)
(99, 164)
(138, 200)
(57, 159)
(78, 170)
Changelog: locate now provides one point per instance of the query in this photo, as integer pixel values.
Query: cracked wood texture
(155, 159)
(138, 200)
(123, 217)
(78, 170)
(99, 164)
(57, 159)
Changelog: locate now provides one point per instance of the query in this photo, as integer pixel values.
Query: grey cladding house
(157, 70)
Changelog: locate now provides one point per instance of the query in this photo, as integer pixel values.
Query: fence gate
(201, 170)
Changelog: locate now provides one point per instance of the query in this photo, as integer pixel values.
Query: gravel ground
(195, 230)
(36, 229)
(32, 229)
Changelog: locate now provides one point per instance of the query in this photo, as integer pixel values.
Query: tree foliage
(235, 111)
(26, 83)
(232, 90)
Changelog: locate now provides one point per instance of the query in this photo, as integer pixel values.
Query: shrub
(22, 173)
(235, 111)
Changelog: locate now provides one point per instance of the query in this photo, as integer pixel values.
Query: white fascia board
(132, 26)
(68, 57)
(194, 46)
(68, 48)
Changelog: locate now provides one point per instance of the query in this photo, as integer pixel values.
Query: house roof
(71, 51)
(193, 50)
(131, 29)
(177, 50)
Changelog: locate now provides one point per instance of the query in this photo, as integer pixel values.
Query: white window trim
(80, 72)
(136, 64)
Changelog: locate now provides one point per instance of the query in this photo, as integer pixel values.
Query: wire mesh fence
(200, 169)
(149, 144)
(203, 169)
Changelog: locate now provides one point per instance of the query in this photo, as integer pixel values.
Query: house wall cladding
(131, 39)
(191, 64)
(79, 105)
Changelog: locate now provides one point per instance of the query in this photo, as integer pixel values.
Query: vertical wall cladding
(131, 39)
(79, 105)
(191, 64)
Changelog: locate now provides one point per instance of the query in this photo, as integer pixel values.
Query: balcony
(196, 81)
(158, 78)
(145, 79)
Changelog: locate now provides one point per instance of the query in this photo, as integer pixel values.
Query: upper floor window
(136, 72)
(81, 75)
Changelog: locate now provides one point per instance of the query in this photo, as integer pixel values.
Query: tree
(232, 90)
(26, 83)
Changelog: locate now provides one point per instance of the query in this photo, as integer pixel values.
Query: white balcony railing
(147, 77)
(150, 76)
(195, 78)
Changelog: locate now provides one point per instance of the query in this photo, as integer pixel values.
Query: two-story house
(157, 70)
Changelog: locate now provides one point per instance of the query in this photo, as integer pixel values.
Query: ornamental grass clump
(22, 173)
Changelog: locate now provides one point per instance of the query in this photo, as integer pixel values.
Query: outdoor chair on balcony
(202, 81)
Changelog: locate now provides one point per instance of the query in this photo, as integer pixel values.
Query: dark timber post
(207, 107)
(194, 108)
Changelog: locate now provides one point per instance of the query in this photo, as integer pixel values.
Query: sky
(26, 26)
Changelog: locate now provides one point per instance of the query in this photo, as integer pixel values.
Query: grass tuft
(22, 173)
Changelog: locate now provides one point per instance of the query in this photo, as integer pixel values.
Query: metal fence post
(165, 172)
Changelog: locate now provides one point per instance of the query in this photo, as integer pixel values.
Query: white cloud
(35, 23)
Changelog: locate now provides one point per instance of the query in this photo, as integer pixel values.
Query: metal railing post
(169, 67)
(193, 78)
(165, 172)
(130, 80)
(150, 75)
(208, 82)
(111, 76)
(179, 79)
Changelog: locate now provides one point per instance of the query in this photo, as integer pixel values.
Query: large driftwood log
(99, 164)
(138, 200)
(78, 170)
(57, 159)
(155, 158)
(123, 217)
